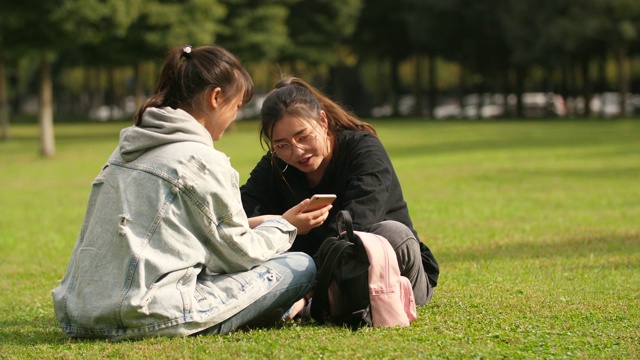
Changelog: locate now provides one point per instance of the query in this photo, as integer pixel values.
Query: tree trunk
(97, 93)
(520, 74)
(623, 79)
(139, 91)
(111, 91)
(417, 90)
(433, 87)
(563, 90)
(573, 88)
(586, 86)
(507, 90)
(47, 139)
(461, 90)
(381, 83)
(395, 86)
(334, 88)
(4, 104)
(602, 74)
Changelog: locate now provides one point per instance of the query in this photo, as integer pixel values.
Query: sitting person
(316, 146)
(166, 248)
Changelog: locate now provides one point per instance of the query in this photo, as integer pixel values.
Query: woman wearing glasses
(316, 146)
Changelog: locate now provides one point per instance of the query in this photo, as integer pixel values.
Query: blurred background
(435, 59)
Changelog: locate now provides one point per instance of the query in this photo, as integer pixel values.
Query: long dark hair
(295, 97)
(188, 72)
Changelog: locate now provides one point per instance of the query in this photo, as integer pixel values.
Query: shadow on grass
(587, 246)
(30, 332)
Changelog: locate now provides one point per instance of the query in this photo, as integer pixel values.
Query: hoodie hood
(161, 126)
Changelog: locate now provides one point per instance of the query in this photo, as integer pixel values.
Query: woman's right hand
(305, 221)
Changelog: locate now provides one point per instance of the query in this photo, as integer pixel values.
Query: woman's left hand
(305, 221)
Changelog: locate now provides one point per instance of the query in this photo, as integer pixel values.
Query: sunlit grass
(535, 225)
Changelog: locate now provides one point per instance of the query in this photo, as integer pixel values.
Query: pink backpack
(359, 281)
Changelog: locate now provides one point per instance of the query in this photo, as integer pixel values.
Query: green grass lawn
(536, 225)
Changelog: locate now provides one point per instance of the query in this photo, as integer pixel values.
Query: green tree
(429, 37)
(623, 25)
(383, 34)
(128, 32)
(475, 39)
(6, 27)
(41, 37)
(4, 103)
(319, 28)
(319, 32)
(256, 30)
(535, 37)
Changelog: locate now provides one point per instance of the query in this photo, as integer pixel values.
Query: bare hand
(305, 221)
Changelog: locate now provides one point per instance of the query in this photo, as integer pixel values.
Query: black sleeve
(370, 179)
(257, 192)
(373, 193)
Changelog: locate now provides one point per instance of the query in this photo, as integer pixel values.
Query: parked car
(106, 113)
(126, 108)
(608, 104)
(252, 109)
(448, 110)
(406, 107)
(483, 106)
(539, 104)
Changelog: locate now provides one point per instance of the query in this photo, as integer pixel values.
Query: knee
(402, 240)
(398, 234)
(300, 264)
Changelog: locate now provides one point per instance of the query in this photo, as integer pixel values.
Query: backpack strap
(320, 296)
(328, 255)
(343, 218)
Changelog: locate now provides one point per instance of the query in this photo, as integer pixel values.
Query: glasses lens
(303, 142)
(282, 149)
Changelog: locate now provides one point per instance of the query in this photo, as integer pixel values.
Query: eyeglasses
(304, 142)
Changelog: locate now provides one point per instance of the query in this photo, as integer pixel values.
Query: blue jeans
(299, 277)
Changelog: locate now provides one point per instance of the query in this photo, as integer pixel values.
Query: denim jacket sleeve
(231, 245)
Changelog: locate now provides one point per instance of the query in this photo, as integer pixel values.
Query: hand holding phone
(300, 217)
(319, 201)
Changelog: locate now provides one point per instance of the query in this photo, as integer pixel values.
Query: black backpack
(344, 294)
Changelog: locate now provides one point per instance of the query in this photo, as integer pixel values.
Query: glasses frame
(303, 142)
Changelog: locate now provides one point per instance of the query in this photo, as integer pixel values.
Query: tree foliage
(496, 43)
(256, 30)
(319, 28)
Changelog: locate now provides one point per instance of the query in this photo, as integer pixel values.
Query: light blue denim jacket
(165, 242)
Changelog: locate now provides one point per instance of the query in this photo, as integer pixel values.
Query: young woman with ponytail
(166, 248)
(317, 147)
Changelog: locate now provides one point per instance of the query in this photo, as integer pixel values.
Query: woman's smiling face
(303, 144)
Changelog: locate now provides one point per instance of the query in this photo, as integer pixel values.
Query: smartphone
(319, 201)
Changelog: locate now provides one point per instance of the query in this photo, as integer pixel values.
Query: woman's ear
(323, 120)
(215, 98)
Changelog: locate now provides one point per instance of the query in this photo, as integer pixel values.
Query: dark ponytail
(188, 72)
